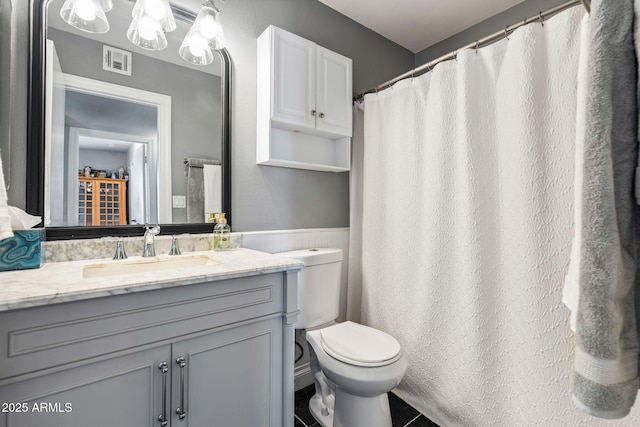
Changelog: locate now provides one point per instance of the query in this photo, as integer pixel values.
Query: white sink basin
(146, 265)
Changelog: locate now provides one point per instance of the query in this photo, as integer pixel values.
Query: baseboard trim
(303, 376)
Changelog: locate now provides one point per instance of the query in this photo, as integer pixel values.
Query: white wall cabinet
(218, 353)
(304, 104)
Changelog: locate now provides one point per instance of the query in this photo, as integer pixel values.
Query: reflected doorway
(122, 160)
(111, 136)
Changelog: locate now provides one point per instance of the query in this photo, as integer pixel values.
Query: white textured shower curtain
(466, 225)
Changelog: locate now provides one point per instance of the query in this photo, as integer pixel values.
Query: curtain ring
(477, 47)
(506, 33)
(455, 55)
(541, 19)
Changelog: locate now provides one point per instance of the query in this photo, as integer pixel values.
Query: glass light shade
(147, 33)
(208, 24)
(85, 15)
(205, 35)
(195, 48)
(160, 10)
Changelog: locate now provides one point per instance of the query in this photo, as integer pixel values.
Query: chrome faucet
(175, 250)
(120, 253)
(149, 248)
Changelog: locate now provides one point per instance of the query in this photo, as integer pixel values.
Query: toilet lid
(359, 345)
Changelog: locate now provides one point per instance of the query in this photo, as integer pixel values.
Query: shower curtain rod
(477, 44)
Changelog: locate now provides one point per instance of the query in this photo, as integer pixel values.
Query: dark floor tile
(401, 411)
(402, 414)
(422, 421)
(302, 404)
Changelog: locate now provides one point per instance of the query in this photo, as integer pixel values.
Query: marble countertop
(63, 281)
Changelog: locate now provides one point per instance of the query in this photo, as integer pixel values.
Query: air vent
(116, 60)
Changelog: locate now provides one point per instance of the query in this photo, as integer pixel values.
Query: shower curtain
(462, 238)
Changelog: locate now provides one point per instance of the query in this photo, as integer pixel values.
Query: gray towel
(195, 188)
(605, 380)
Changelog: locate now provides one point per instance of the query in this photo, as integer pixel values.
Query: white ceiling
(418, 24)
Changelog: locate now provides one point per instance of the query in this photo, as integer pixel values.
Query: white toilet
(353, 366)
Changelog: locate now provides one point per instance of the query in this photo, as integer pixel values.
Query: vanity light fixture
(151, 19)
(87, 15)
(205, 35)
(146, 33)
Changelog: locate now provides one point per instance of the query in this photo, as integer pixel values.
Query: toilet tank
(318, 285)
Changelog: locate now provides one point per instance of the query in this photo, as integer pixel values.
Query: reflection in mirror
(108, 134)
(122, 120)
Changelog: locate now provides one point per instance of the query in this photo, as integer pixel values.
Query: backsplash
(76, 250)
(266, 241)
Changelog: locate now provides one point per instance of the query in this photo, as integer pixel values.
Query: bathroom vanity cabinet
(204, 354)
(304, 103)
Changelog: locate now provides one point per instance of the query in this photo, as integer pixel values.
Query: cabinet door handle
(164, 368)
(180, 410)
(313, 113)
(322, 115)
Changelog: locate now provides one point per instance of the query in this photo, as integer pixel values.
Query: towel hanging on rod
(198, 163)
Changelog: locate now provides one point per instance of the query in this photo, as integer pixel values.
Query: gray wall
(195, 99)
(102, 159)
(499, 22)
(271, 198)
(16, 72)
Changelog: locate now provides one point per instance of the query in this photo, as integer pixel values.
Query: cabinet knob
(322, 115)
(313, 112)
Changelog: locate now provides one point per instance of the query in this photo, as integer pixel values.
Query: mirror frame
(36, 137)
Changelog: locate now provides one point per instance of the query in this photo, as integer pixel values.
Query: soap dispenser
(221, 234)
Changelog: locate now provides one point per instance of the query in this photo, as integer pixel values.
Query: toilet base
(353, 411)
(315, 406)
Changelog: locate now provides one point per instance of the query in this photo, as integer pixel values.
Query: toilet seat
(359, 345)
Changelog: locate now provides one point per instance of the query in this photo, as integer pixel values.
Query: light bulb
(86, 10)
(86, 15)
(147, 28)
(208, 27)
(197, 44)
(155, 9)
(146, 33)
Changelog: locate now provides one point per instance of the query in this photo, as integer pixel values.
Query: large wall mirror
(121, 136)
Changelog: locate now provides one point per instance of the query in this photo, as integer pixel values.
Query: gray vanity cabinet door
(122, 391)
(232, 378)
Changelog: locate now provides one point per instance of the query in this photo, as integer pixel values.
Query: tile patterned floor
(402, 415)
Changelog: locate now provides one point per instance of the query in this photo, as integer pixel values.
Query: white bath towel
(5, 218)
(212, 189)
(195, 188)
